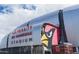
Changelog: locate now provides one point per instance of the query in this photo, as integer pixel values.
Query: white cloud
(19, 16)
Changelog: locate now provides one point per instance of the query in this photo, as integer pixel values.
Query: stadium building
(45, 34)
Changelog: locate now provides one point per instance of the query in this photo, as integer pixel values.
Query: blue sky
(13, 15)
(5, 9)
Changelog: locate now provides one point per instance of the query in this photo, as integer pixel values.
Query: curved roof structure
(71, 20)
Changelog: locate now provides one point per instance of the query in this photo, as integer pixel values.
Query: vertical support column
(63, 37)
(7, 43)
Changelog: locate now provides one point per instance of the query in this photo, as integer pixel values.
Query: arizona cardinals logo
(46, 35)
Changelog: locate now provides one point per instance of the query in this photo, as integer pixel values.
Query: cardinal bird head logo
(47, 34)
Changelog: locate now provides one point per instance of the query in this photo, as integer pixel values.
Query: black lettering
(25, 40)
(16, 41)
(19, 41)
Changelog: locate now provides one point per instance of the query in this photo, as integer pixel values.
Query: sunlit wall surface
(71, 20)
